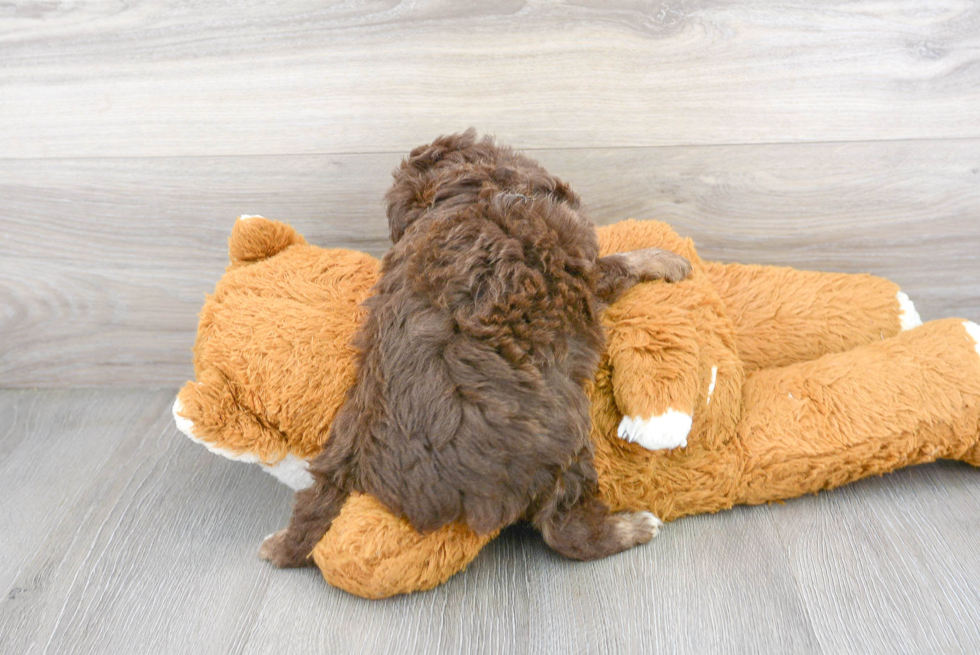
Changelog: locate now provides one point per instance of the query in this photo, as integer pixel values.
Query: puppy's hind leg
(585, 529)
(313, 513)
(315, 508)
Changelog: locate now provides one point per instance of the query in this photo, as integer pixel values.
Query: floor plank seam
(401, 153)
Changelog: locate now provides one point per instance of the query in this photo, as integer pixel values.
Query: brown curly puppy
(481, 334)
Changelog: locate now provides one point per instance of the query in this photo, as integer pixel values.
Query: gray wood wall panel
(120, 535)
(163, 78)
(104, 263)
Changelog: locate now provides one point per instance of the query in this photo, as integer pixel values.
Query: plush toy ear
(371, 553)
(254, 238)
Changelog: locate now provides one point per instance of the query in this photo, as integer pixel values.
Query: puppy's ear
(416, 183)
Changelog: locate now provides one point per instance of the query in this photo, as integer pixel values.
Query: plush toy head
(273, 359)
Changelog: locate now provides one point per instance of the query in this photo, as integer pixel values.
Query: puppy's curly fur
(481, 335)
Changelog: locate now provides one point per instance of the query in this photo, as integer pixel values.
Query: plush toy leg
(371, 553)
(816, 425)
(674, 364)
(783, 316)
(207, 413)
(657, 409)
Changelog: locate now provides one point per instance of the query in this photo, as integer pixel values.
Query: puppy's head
(459, 169)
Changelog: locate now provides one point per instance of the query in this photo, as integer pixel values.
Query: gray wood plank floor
(120, 535)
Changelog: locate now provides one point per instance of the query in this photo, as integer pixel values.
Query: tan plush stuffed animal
(740, 385)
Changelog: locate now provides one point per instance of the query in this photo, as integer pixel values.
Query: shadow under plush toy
(740, 385)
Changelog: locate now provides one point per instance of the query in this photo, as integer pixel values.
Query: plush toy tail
(255, 238)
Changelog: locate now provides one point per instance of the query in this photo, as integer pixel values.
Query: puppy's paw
(637, 528)
(669, 430)
(656, 264)
(278, 549)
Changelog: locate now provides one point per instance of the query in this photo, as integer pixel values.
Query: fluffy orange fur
(797, 382)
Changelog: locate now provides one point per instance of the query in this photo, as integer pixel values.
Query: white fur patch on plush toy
(186, 426)
(292, 471)
(669, 430)
(974, 331)
(711, 387)
(908, 317)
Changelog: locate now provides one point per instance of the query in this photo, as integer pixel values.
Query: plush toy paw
(637, 528)
(186, 426)
(292, 471)
(669, 430)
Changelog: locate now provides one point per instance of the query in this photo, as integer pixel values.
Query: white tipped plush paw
(669, 430)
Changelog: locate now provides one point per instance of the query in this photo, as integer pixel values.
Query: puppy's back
(481, 334)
